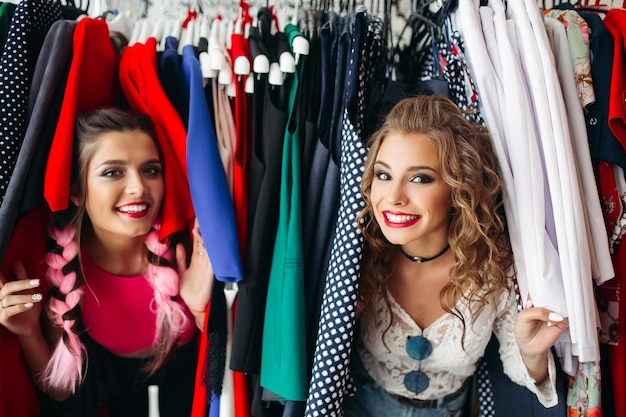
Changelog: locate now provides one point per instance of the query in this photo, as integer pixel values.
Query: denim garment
(372, 400)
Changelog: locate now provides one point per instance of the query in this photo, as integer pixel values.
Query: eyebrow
(412, 168)
(123, 162)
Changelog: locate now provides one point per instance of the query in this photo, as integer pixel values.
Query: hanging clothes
(330, 375)
(138, 75)
(172, 78)
(25, 189)
(269, 122)
(29, 25)
(283, 353)
(90, 85)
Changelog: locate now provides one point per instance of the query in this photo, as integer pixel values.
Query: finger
(181, 259)
(20, 299)
(556, 320)
(14, 310)
(197, 236)
(13, 287)
(549, 317)
(534, 313)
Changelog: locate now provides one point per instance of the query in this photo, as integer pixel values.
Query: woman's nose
(396, 194)
(136, 184)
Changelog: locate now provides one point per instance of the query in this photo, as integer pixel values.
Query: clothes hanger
(119, 22)
(259, 35)
(217, 61)
(299, 44)
(241, 65)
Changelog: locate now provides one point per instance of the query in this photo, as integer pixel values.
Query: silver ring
(1, 304)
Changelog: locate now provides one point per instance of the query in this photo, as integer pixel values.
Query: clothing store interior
(261, 112)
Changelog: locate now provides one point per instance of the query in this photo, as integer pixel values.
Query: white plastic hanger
(120, 23)
(217, 61)
(241, 66)
(299, 45)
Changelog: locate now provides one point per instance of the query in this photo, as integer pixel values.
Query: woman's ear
(76, 201)
(75, 198)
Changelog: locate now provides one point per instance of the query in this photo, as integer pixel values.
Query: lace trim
(449, 365)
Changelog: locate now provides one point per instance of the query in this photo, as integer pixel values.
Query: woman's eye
(153, 171)
(111, 173)
(383, 176)
(422, 179)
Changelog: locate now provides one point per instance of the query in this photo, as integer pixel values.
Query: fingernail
(529, 302)
(34, 282)
(555, 317)
(36, 297)
(28, 305)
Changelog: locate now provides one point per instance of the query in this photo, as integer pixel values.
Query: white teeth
(133, 209)
(400, 218)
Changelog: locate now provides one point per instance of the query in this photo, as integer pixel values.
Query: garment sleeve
(513, 364)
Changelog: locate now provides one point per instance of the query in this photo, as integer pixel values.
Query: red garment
(611, 202)
(141, 85)
(28, 244)
(199, 409)
(615, 22)
(617, 354)
(90, 84)
(243, 150)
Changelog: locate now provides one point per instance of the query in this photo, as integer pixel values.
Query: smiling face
(410, 200)
(124, 185)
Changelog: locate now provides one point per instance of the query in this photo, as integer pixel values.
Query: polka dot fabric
(15, 78)
(330, 379)
(336, 329)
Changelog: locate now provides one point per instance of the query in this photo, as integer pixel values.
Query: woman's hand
(20, 303)
(536, 331)
(196, 280)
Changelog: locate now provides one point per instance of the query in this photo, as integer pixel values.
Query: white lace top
(449, 365)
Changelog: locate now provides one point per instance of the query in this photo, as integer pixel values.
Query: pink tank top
(118, 311)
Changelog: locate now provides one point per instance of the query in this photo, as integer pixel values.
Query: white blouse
(449, 365)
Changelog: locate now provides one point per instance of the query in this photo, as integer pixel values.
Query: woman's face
(124, 186)
(410, 199)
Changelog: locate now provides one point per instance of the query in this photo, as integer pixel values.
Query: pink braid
(64, 370)
(171, 318)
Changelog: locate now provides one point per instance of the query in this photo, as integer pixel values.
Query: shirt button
(593, 121)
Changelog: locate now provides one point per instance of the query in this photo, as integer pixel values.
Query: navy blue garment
(327, 33)
(330, 375)
(603, 144)
(342, 47)
(30, 24)
(512, 400)
(173, 80)
(338, 312)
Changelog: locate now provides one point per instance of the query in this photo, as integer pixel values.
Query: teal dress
(283, 359)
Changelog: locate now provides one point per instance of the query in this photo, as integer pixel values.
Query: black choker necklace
(419, 260)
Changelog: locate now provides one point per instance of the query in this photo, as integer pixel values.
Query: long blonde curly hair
(477, 231)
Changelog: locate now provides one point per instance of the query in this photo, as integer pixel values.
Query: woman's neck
(124, 257)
